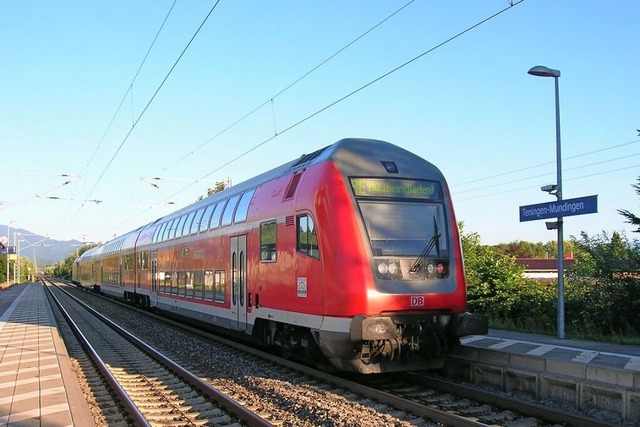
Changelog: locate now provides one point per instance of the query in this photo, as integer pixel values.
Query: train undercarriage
(375, 344)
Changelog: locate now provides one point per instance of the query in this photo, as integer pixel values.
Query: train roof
(354, 156)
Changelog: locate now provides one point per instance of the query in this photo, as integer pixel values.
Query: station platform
(38, 386)
(584, 352)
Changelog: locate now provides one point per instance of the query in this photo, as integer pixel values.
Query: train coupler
(365, 354)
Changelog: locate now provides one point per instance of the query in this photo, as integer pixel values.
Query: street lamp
(19, 249)
(541, 71)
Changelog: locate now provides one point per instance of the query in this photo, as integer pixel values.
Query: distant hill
(46, 251)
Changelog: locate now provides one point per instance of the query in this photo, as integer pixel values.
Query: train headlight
(383, 268)
(393, 268)
(388, 269)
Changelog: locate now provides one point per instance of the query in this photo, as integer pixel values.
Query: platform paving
(578, 351)
(37, 384)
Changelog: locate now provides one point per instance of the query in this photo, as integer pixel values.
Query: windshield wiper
(434, 241)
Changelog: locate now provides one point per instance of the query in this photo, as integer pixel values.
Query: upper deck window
(215, 218)
(243, 206)
(157, 236)
(195, 225)
(227, 216)
(165, 232)
(204, 223)
(187, 224)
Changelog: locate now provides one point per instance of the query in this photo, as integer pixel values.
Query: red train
(350, 255)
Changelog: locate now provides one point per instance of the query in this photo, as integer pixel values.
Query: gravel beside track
(290, 398)
(264, 387)
(157, 394)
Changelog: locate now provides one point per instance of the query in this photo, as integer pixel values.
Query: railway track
(144, 383)
(302, 396)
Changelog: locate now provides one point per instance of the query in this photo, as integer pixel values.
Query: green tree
(605, 256)
(218, 187)
(496, 286)
(603, 291)
(631, 218)
(523, 249)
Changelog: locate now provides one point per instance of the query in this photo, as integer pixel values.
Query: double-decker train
(349, 255)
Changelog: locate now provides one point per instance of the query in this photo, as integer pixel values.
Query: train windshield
(404, 228)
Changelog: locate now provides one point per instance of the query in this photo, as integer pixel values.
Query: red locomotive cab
(392, 264)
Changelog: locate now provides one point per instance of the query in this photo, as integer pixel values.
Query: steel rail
(244, 414)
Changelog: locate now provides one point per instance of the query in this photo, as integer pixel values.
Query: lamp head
(542, 71)
(551, 225)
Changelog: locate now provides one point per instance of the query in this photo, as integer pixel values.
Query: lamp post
(541, 71)
(8, 257)
(18, 248)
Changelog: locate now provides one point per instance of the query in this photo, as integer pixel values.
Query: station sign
(559, 208)
(11, 250)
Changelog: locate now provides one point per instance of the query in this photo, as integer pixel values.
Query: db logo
(417, 301)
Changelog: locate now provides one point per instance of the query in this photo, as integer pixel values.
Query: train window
(215, 218)
(167, 282)
(174, 283)
(170, 230)
(195, 225)
(307, 238)
(180, 226)
(128, 262)
(154, 239)
(243, 206)
(161, 281)
(180, 282)
(208, 285)
(404, 229)
(197, 284)
(187, 225)
(268, 241)
(143, 260)
(204, 223)
(188, 284)
(158, 237)
(227, 216)
(219, 279)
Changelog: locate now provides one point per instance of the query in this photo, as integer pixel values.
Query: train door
(239, 282)
(154, 279)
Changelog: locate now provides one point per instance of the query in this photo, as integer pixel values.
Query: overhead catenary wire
(350, 94)
(550, 173)
(298, 123)
(473, 181)
(535, 186)
(147, 105)
(129, 89)
(286, 88)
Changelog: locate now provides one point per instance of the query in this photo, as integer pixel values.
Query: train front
(396, 270)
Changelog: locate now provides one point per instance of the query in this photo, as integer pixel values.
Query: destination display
(396, 188)
(561, 208)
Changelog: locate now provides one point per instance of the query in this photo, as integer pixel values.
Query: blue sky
(468, 106)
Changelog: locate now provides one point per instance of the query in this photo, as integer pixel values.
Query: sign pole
(560, 221)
